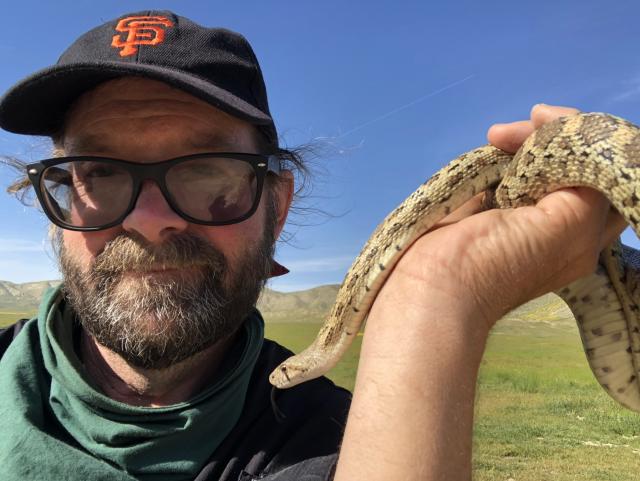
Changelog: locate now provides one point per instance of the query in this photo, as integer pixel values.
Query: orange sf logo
(140, 31)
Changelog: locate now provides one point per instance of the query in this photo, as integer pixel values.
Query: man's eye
(98, 171)
(102, 171)
(209, 170)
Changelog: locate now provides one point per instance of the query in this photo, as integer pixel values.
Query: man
(168, 192)
(151, 363)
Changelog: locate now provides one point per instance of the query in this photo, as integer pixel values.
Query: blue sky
(390, 91)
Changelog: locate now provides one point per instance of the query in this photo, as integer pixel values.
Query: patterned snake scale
(589, 149)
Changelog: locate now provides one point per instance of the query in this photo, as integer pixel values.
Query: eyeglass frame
(156, 171)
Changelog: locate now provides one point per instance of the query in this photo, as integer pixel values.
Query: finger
(592, 203)
(586, 207)
(579, 203)
(509, 137)
(542, 113)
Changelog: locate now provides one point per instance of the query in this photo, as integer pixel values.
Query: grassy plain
(7, 318)
(540, 414)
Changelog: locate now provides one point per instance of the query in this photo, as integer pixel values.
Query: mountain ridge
(310, 305)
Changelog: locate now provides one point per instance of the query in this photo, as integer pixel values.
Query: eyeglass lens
(93, 193)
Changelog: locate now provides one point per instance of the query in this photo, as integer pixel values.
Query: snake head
(290, 373)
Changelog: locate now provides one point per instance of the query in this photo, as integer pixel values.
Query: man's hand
(412, 412)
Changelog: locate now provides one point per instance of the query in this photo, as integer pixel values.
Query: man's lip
(159, 270)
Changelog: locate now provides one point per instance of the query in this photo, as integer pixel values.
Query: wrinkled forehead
(130, 111)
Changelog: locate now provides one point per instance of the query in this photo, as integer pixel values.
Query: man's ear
(284, 192)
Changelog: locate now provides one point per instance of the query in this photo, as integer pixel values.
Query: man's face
(157, 289)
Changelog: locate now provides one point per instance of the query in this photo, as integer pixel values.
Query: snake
(595, 150)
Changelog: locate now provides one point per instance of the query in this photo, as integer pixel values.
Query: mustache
(129, 252)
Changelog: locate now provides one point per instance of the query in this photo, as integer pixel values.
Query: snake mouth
(280, 377)
(287, 375)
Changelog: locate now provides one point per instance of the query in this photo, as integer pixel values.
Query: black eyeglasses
(92, 193)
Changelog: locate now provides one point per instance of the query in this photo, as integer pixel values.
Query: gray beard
(154, 322)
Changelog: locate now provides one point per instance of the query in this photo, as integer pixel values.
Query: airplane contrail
(406, 106)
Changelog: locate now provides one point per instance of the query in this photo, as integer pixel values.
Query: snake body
(588, 149)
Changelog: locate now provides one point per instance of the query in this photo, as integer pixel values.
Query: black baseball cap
(213, 64)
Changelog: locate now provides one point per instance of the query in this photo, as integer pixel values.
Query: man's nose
(152, 217)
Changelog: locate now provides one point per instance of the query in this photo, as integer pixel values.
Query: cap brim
(37, 105)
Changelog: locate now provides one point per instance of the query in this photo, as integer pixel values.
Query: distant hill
(22, 297)
(311, 305)
(303, 306)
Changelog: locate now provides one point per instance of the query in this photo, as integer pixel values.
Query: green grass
(8, 318)
(540, 414)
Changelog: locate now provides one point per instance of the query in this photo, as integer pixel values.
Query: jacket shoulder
(9, 333)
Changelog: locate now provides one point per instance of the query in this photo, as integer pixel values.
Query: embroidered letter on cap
(140, 31)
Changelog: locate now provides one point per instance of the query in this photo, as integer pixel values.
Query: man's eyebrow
(215, 141)
(88, 142)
